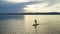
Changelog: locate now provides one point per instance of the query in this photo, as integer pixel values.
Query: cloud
(51, 2)
(6, 7)
(17, 1)
(10, 7)
(14, 7)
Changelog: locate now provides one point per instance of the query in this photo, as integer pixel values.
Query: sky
(15, 0)
(45, 6)
(14, 6)
(19, 6)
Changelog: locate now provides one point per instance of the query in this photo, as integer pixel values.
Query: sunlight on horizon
(42, 7)
(47, 23)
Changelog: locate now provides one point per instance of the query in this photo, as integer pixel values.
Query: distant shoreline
(49, 13)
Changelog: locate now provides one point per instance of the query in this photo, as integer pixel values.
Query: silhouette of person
(35, 23)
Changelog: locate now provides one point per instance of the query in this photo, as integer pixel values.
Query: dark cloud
(10, 8)
(13, 7)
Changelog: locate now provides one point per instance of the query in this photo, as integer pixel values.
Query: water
(17, 24)
(11, 24)
(49, 24)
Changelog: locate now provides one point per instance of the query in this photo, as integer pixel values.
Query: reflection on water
(48, 24)
(11, 24)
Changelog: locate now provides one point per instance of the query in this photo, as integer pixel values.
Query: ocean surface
(18, 24)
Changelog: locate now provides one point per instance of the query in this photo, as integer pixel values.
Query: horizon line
(49, 13)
